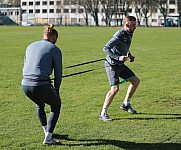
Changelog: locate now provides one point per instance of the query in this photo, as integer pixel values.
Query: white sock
(104, 111)
(48, 136)
(127, 101)
(44, 128)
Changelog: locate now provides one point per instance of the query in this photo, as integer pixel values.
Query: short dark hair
(128, 18)
(131, 18)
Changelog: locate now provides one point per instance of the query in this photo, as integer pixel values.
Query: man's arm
(109, 46)
(57, 70)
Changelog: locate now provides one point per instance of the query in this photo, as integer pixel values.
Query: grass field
(157, 100)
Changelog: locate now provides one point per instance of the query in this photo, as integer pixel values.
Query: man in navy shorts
(117, 50)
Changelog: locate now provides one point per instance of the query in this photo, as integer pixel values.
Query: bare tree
(92, 7)
(122, 9)
(110, 9)
(83, 3)
(162, 5)
(142, 9)
(127, 4)
(147, 7)
(138, 12)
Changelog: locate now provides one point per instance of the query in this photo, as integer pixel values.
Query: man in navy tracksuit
(117, 50)
(41, 59)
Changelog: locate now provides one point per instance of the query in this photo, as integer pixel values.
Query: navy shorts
(116, 72)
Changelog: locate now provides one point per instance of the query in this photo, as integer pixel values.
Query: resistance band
(84, 63)
(73, 74)
(123, 81)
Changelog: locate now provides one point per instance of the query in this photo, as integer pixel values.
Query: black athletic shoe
(51, 142)
(128, 108)
(105, 118)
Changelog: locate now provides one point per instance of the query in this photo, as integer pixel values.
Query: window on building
(51, 3)
(44, 11)
(154, 20)
(172, 1)
(154, 10)
(10, 13)
(17, 13)
(23, 3)
(37, 3)
(30, 3)
(23, 11)
(37, 11)
(58, 2)
(73, 10)
(66, 2)
(44, 3)
(66, 11)
(130, 10)
(73, 2)
(171, 10)
(81, 10)
(51, 11)
(58, 10)
(30, 11)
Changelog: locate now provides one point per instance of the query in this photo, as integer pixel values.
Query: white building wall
(75, 18)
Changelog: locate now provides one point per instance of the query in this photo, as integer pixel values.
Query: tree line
(143, 9)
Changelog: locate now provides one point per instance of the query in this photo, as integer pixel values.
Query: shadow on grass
(159, 114)
(118, 144)
(149, 116)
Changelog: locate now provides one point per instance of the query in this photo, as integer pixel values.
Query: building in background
(69, 12)
(10, 14)
(58, 12)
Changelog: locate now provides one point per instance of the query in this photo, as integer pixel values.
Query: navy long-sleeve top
(42, 58)
(118, 46)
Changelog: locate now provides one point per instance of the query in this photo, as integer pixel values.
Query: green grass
(158, 98)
